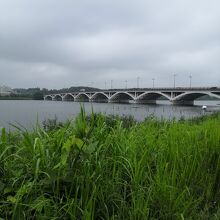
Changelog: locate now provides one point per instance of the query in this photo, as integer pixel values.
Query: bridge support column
(119, 101)
(183, 102)
(99, 100)
(145, 101)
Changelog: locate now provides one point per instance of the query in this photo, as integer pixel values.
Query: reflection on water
(28, 112)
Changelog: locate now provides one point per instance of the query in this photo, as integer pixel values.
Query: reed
(101, 167)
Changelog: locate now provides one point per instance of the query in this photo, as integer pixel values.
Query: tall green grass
(108, 168)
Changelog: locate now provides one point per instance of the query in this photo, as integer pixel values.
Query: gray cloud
(53, 44)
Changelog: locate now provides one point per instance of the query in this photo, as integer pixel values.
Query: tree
(38, 96)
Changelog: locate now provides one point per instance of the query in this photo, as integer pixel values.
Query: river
(28, 112)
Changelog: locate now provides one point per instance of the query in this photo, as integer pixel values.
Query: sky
(104, 43)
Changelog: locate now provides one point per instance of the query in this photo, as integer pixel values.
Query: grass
(100, 167)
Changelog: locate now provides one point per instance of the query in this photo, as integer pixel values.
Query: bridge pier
(99, 100)
(183, 102)
(139, 101)
(119, 101)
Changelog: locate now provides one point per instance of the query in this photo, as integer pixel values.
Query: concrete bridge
(180, 95)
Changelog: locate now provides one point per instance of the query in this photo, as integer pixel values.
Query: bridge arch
(48, 98)
(82, 97)
(68, 97)
(190, 97)
(151, 97)
(121, 97)
(99, 97)
(58, 97)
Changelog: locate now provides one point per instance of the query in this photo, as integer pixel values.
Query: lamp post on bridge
(190, 81)
(111, 84)
(174, 80)
(126, 84)
(153, 79)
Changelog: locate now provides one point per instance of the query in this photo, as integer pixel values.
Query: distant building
(5, 91)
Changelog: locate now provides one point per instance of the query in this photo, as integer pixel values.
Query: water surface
(27, 112)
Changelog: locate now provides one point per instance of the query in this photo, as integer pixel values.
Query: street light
(105, 85)
(126, 83)
(153, 81)
(190, 81)
(111, 84)
(174, 80)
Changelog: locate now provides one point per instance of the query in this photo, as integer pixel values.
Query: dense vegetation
(107, 168)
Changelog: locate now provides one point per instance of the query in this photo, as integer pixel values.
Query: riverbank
(108, 168)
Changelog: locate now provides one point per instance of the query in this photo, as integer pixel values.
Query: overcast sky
(63, 43)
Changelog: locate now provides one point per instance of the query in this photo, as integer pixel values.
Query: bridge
(179, 95)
